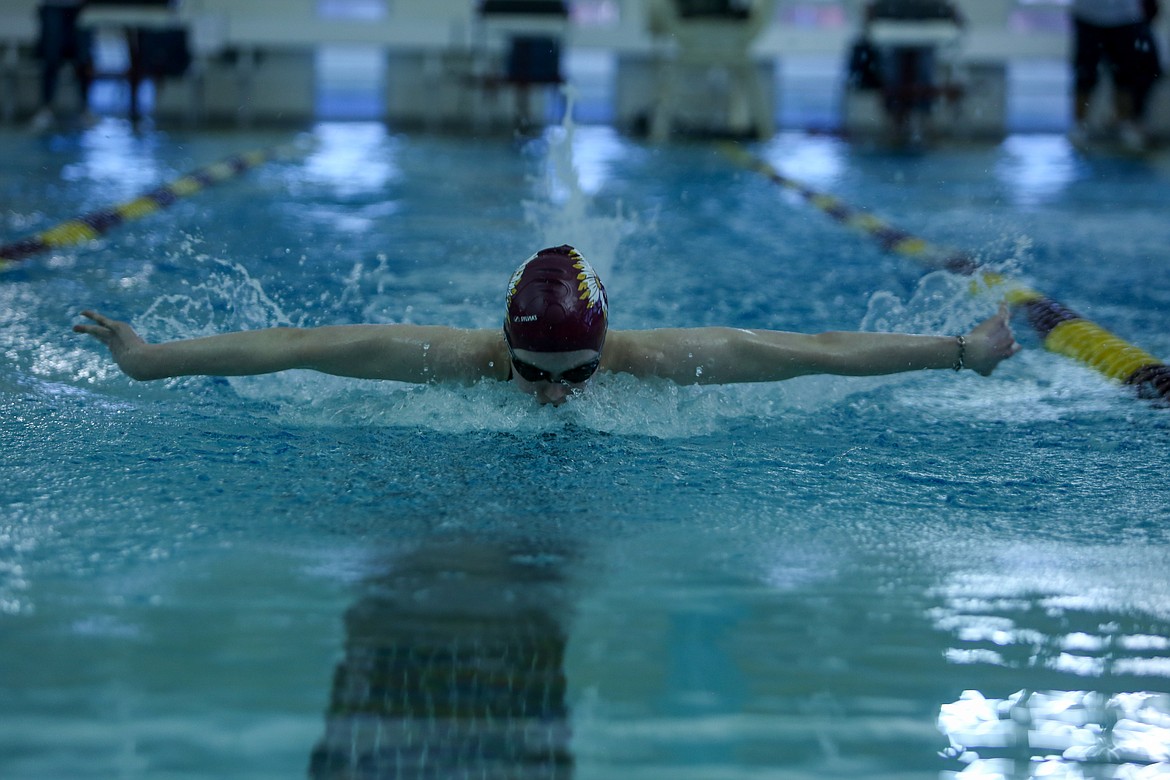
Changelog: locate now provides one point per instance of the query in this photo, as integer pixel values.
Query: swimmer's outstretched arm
(405, 353)
(729, 355)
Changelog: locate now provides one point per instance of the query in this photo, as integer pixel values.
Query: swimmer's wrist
(143, 362)
(961, 356)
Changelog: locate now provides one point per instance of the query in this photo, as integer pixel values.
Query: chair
(712, 36)
(518, 46)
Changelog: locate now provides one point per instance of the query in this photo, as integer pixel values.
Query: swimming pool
(928, 576)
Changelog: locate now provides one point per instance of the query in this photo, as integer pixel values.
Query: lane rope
(95, 224)
(1061, 330)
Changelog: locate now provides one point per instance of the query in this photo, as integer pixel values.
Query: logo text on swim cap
(524, 318)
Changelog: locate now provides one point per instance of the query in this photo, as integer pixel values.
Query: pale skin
(433, 353)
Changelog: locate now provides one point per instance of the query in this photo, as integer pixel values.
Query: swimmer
(554, 341)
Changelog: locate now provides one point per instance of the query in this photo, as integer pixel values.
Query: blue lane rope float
(97, 223)
(1060, 329)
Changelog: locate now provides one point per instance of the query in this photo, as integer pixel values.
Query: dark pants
(1127, 51)
(62, 42)
(908, 77)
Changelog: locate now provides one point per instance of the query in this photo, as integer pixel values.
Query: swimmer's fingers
(128, 349)
(102, 325)
(1005, 338)
(996, 330)
(115, 334)
(1000, 332)
(100, 319)
(101, 329)
(992, 341)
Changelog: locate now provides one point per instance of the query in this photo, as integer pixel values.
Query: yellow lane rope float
(1060, 329)
(97, 223)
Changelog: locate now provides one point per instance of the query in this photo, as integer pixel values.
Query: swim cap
(556, 303)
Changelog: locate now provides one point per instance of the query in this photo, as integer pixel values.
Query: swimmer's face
(553, 377)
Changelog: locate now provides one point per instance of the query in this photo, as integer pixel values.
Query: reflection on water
(816, 161)
(116, 161)
(1060, 734)
(453, 667)
(1088, 658)
(1035, 168)
(352, 159)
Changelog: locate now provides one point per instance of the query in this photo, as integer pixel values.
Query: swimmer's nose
(554, 393)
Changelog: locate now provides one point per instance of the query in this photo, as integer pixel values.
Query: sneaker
(42, 121)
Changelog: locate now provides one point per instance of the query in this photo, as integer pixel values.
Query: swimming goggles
(573, 376)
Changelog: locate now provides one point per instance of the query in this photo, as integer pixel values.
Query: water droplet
(698, 370)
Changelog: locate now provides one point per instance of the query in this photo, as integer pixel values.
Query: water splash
(566, 213)
(228, 298)
(617, 404)
(942, 302)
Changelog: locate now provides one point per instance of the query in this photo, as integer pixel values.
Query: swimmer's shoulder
(440, 352)
(481, 352)
(637, 352)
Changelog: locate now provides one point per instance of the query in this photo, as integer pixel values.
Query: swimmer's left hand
(126, 346)
(991, 342)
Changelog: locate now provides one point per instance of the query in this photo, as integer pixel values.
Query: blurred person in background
(62, 42)
(1116, 36)
(905, 71)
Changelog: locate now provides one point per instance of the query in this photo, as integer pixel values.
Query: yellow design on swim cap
(515, 280)
(588, 282)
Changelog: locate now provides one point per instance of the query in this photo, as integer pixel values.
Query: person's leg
(1134, 65)
(1086, 61)
(897, 80)
(83, 67)
(52, 49)
(1138, 66)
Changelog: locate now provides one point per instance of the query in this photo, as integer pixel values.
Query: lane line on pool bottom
(95, 224)
(1060, 329)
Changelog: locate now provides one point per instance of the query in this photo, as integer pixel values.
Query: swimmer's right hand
(991, 341)
(126, 346)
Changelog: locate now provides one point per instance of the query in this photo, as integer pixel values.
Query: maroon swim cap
(556, 303)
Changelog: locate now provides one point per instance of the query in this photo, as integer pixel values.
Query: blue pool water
(922, 576)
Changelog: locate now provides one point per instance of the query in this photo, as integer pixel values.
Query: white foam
(228, 298)
(565, 212)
